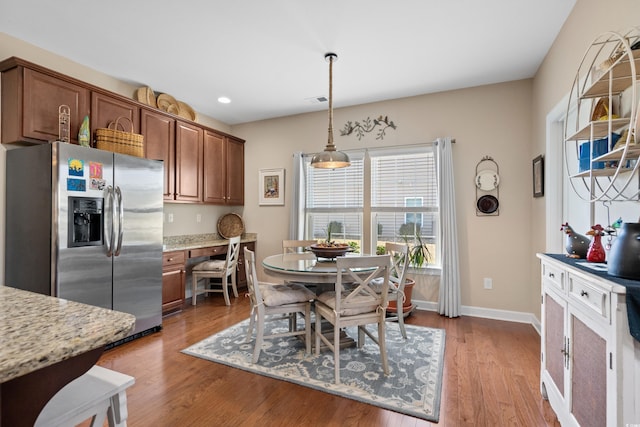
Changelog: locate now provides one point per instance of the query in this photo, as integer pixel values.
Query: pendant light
(330, 158)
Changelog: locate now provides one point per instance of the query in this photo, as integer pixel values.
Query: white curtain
(296, 228)
(449, 301)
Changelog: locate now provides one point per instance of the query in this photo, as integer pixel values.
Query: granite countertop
(196, 241)
(37, 331)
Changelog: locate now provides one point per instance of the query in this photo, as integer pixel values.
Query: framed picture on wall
(538, 176)
(271, 187)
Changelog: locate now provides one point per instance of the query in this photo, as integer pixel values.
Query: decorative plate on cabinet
(487, 180)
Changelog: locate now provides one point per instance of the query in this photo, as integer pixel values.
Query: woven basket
(120, 141)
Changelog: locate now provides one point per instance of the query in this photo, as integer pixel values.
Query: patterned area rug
(413, 386)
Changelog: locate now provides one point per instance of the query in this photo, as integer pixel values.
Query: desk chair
(218, 269)
(268, 299)
(358, 304)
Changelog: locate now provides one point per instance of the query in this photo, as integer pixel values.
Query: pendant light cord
(330, 144)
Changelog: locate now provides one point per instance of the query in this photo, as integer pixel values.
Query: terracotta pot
(406, 306)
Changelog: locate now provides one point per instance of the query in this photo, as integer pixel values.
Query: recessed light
(224, 100)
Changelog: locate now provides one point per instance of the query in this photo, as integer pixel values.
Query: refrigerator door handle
(109, 232)
(118, 195)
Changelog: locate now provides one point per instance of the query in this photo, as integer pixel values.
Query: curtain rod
(417, 144)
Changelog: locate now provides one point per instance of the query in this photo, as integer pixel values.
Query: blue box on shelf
(600, 147)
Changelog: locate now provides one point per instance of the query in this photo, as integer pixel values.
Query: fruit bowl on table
(322, 250)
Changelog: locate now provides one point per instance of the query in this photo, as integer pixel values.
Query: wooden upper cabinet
(106, 109)
(223, 169)
(235, 171)
(189, 162)
(215, 170)
(30, 105)
(159, 132)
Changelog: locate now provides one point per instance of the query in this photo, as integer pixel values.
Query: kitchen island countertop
(37, 331)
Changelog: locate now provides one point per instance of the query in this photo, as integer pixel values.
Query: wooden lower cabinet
(173, 281)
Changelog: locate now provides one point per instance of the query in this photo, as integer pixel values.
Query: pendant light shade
(330, 158)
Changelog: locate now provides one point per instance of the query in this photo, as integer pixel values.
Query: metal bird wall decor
(367, 125)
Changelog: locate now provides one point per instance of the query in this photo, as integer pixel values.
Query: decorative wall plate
(488, 204)
(487, 180)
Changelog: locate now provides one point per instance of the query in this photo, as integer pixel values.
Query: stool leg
(194, 286)
(118, 412)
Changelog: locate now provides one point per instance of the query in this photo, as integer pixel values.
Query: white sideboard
(590, 364)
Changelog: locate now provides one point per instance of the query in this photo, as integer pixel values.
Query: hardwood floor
(491, 378)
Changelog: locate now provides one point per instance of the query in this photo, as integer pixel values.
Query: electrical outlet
(198, 218)
(170, 217)
(488, 283)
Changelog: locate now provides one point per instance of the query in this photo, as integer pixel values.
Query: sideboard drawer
(590, 296)
(208, 251)
(553, 275)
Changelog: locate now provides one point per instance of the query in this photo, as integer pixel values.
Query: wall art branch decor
(367, 125)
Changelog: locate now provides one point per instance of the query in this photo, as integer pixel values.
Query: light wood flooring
(491, 378)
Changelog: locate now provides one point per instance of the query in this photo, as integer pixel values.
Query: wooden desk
(45, 343)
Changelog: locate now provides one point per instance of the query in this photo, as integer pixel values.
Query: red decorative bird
(596, 250)
(576, 244)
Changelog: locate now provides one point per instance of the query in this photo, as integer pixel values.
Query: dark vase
(624, 257)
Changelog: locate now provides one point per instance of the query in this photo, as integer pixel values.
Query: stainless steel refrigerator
(86, 225)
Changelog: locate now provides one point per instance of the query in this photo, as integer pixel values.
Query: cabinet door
(159, 132)
(189, 152)
(554, 340)
(215, 171)
(172, 289)
(235, 171)
(106, 109)
(588, 373)
(41, 97)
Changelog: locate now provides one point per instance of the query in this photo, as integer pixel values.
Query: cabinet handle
(169, 259)
(584, 293)
(552, 276)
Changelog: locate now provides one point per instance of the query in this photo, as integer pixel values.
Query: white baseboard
(487, 313)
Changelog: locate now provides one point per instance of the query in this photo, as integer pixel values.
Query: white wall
(490, 120)
(552, 82)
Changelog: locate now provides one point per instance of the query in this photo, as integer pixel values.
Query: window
(386, 195)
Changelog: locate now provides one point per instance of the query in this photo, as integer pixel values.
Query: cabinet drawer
(173, 258)
(553, 275)
(209, 251)
(589, 296)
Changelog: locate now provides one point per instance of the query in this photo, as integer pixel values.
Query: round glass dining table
(291, 267)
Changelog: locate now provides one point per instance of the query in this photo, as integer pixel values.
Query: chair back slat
(252, 277)
(399, 262)
(354, 291)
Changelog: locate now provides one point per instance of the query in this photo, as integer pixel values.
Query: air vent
(317, 99)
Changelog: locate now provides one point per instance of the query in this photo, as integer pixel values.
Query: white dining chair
(297, 249)
(271, 301)
(218, 269)
(356, 304)
(399, 254)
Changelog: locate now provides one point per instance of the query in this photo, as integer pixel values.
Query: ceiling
(268, 56)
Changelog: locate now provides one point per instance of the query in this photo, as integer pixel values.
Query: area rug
(413, 386)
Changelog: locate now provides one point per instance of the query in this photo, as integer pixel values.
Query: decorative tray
(230, 225)
(330, 252)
